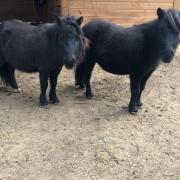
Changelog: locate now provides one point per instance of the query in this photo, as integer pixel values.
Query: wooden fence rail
(124, 12)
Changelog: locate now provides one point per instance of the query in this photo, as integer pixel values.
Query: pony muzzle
(168, 57)
(69, 64)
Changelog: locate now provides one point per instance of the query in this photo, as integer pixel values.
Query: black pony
(136, 51)
(44, 49)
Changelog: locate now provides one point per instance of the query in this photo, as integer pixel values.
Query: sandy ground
(94, 139)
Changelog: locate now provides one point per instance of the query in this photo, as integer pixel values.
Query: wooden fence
(125, 12)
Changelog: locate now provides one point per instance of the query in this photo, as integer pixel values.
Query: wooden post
(64, 4)
(177, 4)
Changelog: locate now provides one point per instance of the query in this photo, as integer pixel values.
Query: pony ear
(160, 13)
(58, 20)
(79, 20)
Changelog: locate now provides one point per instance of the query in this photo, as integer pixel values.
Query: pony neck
(151, 39)
(150, 29)
(52, 27)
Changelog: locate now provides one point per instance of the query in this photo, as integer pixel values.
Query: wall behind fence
(124, 12)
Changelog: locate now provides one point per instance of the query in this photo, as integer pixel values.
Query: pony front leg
(43, 76)
(142, 87)
(53, 83)
(79, 71)
(135, 83)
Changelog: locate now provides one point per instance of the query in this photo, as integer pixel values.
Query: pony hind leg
(79, 80)
(87, 76)
(4, 75)
(8, 77)
(43, 76)
(3, 70)
(12, 80)
(53, 83)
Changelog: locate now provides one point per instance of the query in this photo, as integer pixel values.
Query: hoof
(44, 107)
(133, 110)
(89, 95)
(18, 90)
(44, 103)
(133, 113)
(54, 101)
(14, 90)
(81, 87)
(139, 104)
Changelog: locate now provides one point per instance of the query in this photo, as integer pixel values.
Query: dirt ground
(94, 139)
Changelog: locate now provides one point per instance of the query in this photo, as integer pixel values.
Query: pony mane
(173, 17)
